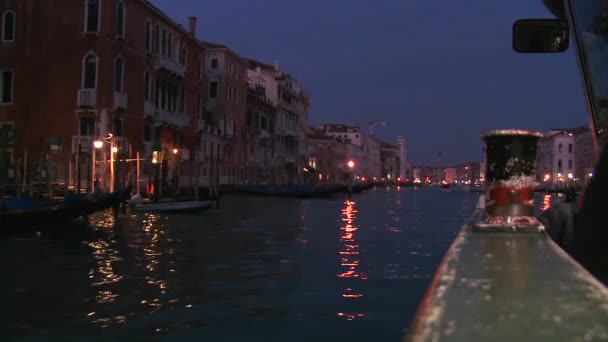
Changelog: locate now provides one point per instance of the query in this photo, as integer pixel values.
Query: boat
(73, 207)
(173, 207)
(301, 191)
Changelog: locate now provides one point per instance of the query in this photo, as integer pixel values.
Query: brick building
(85, 69)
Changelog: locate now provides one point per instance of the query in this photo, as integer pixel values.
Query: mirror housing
(541, 35)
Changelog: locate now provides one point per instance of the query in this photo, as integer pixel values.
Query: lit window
(8, 26)
(92, 16)
(6, 87)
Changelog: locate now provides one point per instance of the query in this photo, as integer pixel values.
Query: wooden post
(24, 171)
(137, 178)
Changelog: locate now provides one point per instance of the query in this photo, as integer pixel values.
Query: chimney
(192, 25)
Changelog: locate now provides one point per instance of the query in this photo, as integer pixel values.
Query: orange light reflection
(546, 202)
(349, 254)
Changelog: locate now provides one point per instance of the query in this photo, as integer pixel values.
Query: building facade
(123, 73)
(391, 163)
(556, 159)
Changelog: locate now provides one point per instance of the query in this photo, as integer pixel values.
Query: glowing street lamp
(175, 151)
(570, 176)
(350, 164)
(547, 177)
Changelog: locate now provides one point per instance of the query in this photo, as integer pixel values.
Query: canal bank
(266, 269)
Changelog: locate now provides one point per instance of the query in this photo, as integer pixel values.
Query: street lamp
(97, 144)
(351, 166)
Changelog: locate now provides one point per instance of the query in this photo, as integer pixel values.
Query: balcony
(120, 100)
(165, 63)
(87, 98)
(84, 141)
(164, 117)
(149, 109)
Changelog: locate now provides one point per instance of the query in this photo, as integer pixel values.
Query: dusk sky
(440, 72)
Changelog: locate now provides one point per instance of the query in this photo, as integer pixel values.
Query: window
(6, 87)
(214, 63)
(183, 54)
(156, 39)
(91, 16)
(213, 89)
(118, 75)
(263, 124)
(559, 148)
(87, 126)
(570, 148)
(89, 72)
(147, 133)
(148, 37)
(8, 26)
(559, 164)
(117, 127)
(227, 91)
(201, 67)
(120, 19)
(570, 164)
(170, 46)
(147, 84)
(163, 43)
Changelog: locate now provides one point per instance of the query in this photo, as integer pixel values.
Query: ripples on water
(261, 269)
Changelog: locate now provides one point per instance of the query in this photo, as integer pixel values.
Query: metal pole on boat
(137, 184)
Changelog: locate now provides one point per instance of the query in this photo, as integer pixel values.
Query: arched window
(147, 85)
(120, 19)
(183, 54)
(89, 72)
(118, 75)
(91, 22)
(148, 36)
(8, 26)
(163, 43)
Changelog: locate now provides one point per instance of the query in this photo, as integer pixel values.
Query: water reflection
(104, 276)
(546, 202)
(349, 259)
(138, 247)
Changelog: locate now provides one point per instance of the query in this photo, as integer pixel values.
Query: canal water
(258, 269)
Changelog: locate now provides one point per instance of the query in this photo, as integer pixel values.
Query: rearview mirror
(540, 35)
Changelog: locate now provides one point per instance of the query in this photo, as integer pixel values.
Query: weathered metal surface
(511, 287)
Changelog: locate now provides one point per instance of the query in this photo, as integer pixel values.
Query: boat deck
(511, 287)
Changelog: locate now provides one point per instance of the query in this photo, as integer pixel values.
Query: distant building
(450, 175)
(327, 158)
(391, 166)
(555, 158)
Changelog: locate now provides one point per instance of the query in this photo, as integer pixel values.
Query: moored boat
(72, 208)
(173, 207)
